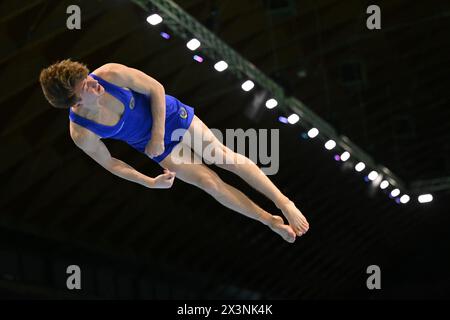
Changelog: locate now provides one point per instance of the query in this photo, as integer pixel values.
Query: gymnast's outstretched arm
(96, 149)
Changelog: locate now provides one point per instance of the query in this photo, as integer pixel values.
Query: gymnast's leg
(201, 176)
(244, 168)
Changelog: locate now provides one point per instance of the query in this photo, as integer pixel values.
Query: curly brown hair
(58, 82)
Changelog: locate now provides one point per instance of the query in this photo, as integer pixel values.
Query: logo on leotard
(183, 113)
(132, 103)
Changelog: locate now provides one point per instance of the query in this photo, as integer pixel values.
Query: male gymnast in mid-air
(123, 103)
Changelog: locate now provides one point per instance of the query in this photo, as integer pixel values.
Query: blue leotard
(134, 127)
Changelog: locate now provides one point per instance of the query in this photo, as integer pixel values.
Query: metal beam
(431, 185)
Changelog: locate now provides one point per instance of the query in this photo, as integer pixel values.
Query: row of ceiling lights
(271, 103)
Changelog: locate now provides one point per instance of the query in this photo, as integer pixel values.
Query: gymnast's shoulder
(82, 137)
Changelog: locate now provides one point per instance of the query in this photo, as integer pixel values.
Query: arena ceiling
(387, 90)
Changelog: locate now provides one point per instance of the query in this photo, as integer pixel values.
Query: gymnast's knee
(210, 183)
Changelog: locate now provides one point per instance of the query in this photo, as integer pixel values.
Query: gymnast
(119, 102)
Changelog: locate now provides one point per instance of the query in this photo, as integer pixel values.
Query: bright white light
(193, 44)
(395, 192)
(345, 156)
(404, 198)
(248, 85)
(313, 133)
(360, 166)
(271, 103)
(154, 19)
(424, 198)
(221, 66)
(330, 144)
(384, 184)
(293, 118)
(373, 175)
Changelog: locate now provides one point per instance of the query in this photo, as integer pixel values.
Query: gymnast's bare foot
(285, 231)
(296, 219)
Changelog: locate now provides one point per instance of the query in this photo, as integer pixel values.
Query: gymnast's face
(89, 91)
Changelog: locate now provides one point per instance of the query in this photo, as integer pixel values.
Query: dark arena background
(372, 77)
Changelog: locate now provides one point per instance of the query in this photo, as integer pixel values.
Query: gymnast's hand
(164, 181)
(155, 147)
